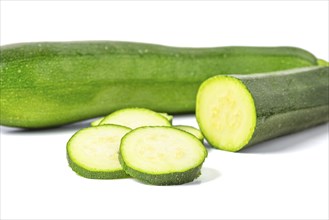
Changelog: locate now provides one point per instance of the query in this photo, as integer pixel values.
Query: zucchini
(162, 155)
(236, 112)
(192, 130)
(49, 84)
(93, 152)
(135, 118)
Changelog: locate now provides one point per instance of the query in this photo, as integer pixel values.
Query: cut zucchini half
(238, 111)
(192, 130)
(93, 152)
(162, 155)
(135, 118)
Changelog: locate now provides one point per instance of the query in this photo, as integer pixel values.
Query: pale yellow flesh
(135, 118)
(97, 148)
(192, 130)
(226, 112)
(162, 150)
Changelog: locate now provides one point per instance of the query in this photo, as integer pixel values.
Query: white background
(286, 178)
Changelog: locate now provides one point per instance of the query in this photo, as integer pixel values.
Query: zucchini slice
(236, 112)
(136, 117)
(162, 155)
(192, 130)
(93, 152)
(167, 116)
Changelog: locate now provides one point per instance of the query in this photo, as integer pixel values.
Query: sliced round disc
(162, 155)
(93, 152)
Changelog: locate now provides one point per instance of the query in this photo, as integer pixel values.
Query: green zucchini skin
(93, 175)
(49, 84)
(163, 179)
(289, 101)
(290, 122)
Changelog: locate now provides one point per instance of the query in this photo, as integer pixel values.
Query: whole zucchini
(54, 83)
(237, 111)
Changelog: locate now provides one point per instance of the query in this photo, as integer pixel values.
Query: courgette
(234, 112)
(162, 155)
(93, 152)
(135, 118)
(49, 84)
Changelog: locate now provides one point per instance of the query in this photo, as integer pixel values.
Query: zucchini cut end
(226, 113)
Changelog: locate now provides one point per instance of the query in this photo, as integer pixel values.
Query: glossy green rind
(176, 178)
(81, 171)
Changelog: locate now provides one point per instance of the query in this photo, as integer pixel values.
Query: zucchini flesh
(236, 112)
(162, 155)
(55, 83)
(192, 130)
(135, 117)
(93, 152)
